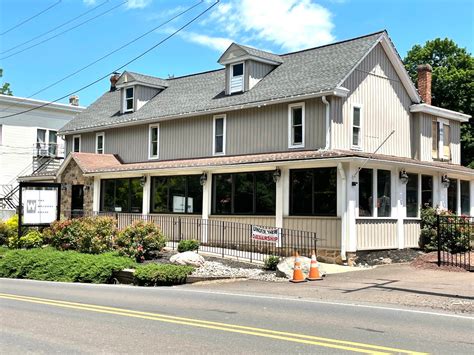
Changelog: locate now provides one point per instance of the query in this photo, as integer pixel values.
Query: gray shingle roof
(147, 79)
(261, 54)
(306, 72)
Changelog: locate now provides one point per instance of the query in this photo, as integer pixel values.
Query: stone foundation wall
(73, 175)
(330, 256)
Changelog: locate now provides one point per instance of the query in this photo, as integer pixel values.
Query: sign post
(39, 205)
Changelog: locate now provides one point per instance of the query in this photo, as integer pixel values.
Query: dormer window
(129, 99)
(236, 78)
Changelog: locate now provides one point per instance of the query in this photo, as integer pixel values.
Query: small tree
(5, 87)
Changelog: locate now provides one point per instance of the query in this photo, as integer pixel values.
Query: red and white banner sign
(271, 235)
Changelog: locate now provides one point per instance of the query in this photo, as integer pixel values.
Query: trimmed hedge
(188, 245)
(68, 266)
(161, 274)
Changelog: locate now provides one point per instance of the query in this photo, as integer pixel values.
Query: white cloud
(131, 4)
(218, 43)
(89, 2)
(288, 24)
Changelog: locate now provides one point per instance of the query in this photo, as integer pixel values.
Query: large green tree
(4, 87)
(452, 85)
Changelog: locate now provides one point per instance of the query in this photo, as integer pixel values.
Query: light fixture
(276, 175)
(87, 187)
(64, 186)
(403, 177)
(203, 179)
(445, 181)
(143, 181)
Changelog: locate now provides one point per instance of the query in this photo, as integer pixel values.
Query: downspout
(328, 123)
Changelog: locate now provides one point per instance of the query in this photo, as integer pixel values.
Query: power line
(55, 28)
(122, 66)
(63, 32)
(106, 55)
(30, 18)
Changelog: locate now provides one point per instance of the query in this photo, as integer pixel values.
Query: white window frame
(150, 127)
(440, 125)
(224, 133)
(80, 143)
(375, 210)
(124, 100)
(231, 71)
(361, 126)
(290, 125)
(97, 135)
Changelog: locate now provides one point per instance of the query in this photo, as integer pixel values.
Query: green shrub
(8, 229)
(32, 239)
(92, 235)
(12, 223)
(52, 265)
(188, 245)
(161, 274)
(3, 233)
(271, 262)
(139, 240)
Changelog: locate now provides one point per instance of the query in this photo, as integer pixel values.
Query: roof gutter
(440, 112)
(339, 91)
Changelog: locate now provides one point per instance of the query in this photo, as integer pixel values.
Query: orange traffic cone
(314, 274)
(297, 272)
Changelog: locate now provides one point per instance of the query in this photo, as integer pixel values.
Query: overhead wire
(30, 18)
(122, 66)
(57, 27)
(106, 55)
(65, 31)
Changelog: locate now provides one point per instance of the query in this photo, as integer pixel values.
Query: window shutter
(446, 141)
(434, 139)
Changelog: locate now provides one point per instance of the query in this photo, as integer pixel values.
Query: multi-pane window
(453, 195)
(99, 143)
(153, 141)
(465, 198)
(40, 138)
(129, 99)
(176, 194)
(219, 134)
(244, 193)
(53, 143)
(121, 195)
(426, 191)
(412, 195)
(441, 139)
(356, 126)
(76, 144)
(313, 192)
(296, 118)
(383, 207)
(236, 77)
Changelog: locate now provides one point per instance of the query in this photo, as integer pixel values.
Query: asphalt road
(44, 317)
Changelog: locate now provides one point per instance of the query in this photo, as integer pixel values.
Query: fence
(455, 241)
(223, 238)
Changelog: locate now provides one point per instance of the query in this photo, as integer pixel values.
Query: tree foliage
(453, 83)
(4, 87)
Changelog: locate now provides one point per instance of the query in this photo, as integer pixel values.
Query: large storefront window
(412, 195)
(366, 186)
(426, 191)
(244, 193)
(465, 198)
(384, 201)
(121, 195)
(383, 191)
(313, 192)
(453, 195)
(176, 194)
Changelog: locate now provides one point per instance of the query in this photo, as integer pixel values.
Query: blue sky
(279, 26)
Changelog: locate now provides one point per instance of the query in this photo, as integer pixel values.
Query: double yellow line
(261, 332)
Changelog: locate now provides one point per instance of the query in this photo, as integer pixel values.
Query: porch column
(282, 197)
(96, 195)
(441, 192)
(471, 198)
(401, 209)
(342, 207)
(458, 197)
(146, 195)
(206, 205)
(351, 202)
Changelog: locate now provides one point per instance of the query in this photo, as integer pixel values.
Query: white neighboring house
(29, 141)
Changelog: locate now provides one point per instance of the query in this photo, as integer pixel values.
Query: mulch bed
(429, 261)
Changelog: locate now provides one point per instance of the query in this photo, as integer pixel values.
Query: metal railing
(48, 150)
(223, 238)
(455, 241)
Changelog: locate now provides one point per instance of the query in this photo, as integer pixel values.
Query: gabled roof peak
(236, 52)
(137, 78)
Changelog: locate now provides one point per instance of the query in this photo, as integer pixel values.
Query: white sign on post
(39, 206)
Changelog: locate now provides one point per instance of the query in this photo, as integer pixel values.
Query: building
(29, 142)
(334, 139)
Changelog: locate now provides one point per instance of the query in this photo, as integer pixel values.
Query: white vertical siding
(327, 229)
(376, 85)
(425, 137)
(412, 229)
(376, 234)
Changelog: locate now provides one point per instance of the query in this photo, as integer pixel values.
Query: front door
(77, 201)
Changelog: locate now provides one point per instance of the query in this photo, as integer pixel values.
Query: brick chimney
(113, 81)
(424, 82)
(74, 100)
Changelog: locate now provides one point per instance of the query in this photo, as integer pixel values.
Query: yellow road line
(294, 337)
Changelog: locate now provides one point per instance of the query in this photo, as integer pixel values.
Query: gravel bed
(218, 269)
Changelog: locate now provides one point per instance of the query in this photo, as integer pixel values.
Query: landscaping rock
(218, 270)
(285, 267)
(188, 258)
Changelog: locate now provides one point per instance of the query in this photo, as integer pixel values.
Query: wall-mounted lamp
(64, 186)
(203, 179)
(403, 177)
(143, 181)
(445, 181)
(276, 175)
